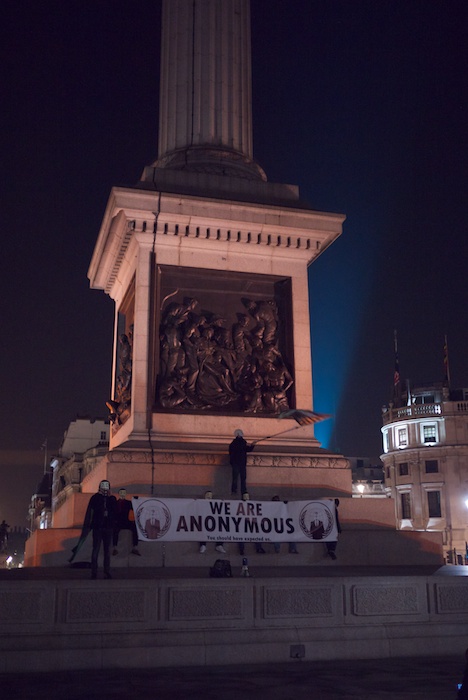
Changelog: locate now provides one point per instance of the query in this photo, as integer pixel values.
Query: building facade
(85, 442)
(368, 478)
(425, 457)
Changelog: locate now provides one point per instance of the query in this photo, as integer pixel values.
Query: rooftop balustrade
(404, 413)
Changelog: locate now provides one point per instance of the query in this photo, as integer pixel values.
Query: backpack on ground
(221, 569)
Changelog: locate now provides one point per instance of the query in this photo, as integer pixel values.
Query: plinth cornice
(197, 458)
(154, 218)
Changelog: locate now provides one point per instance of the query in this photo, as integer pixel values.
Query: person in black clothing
(258, 545)
(3, 536)
(238, 458)
(291, 545)
(125, 520)
(331, 546)
(100, 518)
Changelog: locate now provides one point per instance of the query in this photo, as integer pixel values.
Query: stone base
(356, 547)
(187, 472)
(71, 622)
(369, 535)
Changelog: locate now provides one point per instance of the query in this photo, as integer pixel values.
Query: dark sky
(362, 103)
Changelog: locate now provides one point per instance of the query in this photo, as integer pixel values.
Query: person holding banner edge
(258, 545)
(291, 545)
(124, 520)
(331, 546)
(219, 545)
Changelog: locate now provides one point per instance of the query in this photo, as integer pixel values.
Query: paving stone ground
(431, 678)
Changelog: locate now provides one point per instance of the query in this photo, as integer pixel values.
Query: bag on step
(221, 569)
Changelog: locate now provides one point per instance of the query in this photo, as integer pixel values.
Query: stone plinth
(72, 511)
(271, 241)
(189, 472)
(369, 545)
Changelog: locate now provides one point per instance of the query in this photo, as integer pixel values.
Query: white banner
(213, 520)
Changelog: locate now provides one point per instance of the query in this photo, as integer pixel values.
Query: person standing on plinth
(258, 545)
(100, 519)
(291, 545)
(124, 520)
(331, 546)
(238, 458)
(3, 536)
(219, 545)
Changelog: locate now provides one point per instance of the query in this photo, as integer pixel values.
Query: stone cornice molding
(196, 458)
(156, 219)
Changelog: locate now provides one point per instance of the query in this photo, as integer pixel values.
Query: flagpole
(44, 447)
(396, 374)
(289, 430)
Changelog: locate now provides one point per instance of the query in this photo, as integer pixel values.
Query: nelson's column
(207, 264)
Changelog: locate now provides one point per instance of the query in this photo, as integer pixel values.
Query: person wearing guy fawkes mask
(100, 519)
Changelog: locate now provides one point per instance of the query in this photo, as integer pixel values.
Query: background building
(368, 478)
(425, 457)
(85, 441)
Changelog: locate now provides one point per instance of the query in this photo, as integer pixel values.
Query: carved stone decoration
(307, 602)
(119, 407)
(264, 461)
(221, 602)
(209, 364)
(18, 606)
(385, 600)
(115, 606)
(451, 599)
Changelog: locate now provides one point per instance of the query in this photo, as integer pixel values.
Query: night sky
(362, 103)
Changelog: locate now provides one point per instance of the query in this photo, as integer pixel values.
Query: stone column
(205, 119)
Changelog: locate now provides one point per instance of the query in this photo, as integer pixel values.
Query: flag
(446, 363)
(304, 417)
(409, 398)
(396, 371)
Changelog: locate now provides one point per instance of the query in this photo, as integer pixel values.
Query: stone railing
(403, 413)
(363, 489)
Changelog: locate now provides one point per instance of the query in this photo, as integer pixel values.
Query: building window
(402, 437)
(432, 466)
(429, 433)
(403, 469)
(103, 436)
(433, 504)
(406, 506)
